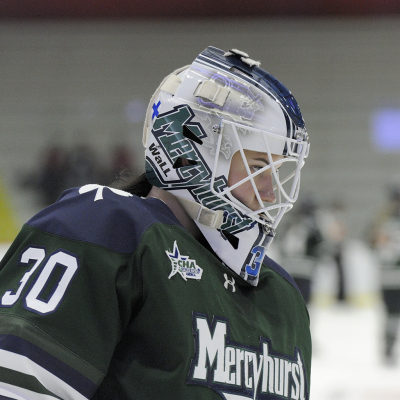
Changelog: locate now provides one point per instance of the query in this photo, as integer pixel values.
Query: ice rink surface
(347, 355)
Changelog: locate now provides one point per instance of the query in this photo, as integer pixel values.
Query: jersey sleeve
(68, 289)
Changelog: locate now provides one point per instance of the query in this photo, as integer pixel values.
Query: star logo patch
(183, 265)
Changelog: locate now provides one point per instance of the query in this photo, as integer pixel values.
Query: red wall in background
(103, 9)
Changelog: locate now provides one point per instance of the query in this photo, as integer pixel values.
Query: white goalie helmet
(201, 115)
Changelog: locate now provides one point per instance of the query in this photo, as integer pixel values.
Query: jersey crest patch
(183, 265)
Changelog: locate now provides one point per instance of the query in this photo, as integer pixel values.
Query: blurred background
(76, 77)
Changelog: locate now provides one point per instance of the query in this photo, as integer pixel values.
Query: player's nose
(266, 188)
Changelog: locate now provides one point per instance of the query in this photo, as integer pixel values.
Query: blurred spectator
(52, 174)
(334, 230)
(301, 246)
(385, 240)
(83, 166)
(60, 169)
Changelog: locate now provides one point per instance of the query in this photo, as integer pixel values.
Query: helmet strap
(201, 214)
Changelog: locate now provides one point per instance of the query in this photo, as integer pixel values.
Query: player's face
(264, 182)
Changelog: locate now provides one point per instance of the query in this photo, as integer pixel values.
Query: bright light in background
(135, 111)
(385, 128)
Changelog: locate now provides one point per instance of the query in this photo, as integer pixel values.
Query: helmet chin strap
(201, 214)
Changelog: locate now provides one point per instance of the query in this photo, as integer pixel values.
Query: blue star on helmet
(155, 110)
(185, 266)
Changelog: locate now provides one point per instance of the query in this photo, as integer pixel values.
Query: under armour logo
(229, 282)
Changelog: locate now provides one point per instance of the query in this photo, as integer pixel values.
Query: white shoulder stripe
(24, 365)
(18, 393)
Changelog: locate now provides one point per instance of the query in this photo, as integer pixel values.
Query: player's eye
(255, 168)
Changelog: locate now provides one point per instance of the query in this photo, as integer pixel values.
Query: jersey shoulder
(101, 215)
(280, 271)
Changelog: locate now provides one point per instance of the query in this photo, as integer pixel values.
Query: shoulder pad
(105, 216)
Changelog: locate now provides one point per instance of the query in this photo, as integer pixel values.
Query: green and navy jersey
(104, 295)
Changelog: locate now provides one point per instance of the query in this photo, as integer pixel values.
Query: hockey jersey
(104, 295)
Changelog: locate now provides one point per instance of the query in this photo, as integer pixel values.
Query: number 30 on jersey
(33, 299)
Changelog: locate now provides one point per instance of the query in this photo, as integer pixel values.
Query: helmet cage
(285, 187)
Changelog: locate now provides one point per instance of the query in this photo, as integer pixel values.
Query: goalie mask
(228, 140)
